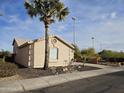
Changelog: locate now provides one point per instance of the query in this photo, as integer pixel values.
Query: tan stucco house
(32, 53)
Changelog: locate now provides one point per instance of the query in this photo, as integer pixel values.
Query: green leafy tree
(88, 54)
(108, 54)
(5, 54)
(77, 53)
(48, 11)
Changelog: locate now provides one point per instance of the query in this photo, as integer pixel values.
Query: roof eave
(65, 42)
(26, 44)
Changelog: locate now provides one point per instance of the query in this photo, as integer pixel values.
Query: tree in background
(110, 55)
(85, 55)
(48, 11)
(4, 54)
(77, 53)
(88, 54)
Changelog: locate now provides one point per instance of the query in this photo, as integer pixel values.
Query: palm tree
(48, 11)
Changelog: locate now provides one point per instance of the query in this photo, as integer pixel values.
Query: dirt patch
(26, 73)
(33, 73)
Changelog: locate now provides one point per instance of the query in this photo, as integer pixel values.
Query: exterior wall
(65, 54)
(39, 54)
(33, 55)
(24, 56)
(15, 48)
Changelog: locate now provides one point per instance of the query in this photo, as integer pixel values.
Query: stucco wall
(65, 54)
(33, 55)
(39, 54)
(23, 56)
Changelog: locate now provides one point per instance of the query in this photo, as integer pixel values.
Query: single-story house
(31, 53)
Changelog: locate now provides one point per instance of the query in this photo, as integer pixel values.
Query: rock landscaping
(11, 71)
(7, 69)
(33, 73)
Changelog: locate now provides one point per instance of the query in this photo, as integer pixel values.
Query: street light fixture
(74, 36)
(93, 46)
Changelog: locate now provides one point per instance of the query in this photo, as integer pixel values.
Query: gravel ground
(33, 73)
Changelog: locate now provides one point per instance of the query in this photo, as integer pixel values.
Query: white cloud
(16, 27)
(28, 28)
(113, 15)
(110, 33)
(109, 23)
(104, 16)
(13, 18)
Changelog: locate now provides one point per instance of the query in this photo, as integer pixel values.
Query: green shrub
(112, 56)
(7, 69)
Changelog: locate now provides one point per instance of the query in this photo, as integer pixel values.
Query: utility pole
(74, 36)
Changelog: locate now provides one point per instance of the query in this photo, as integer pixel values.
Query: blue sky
(101, 19)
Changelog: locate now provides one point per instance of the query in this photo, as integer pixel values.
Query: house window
(53, 53)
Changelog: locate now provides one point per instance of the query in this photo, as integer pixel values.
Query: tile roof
(21, 41)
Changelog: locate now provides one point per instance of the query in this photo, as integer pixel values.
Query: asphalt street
(110, 83)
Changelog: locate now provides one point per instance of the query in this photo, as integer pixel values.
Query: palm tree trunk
(46, 47)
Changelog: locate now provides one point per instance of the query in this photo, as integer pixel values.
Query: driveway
(110, 83)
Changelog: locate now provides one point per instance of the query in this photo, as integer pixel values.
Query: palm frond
(47, 9)
(62, 14)
(31, 10)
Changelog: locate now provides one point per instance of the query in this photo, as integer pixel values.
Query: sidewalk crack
(22, 86)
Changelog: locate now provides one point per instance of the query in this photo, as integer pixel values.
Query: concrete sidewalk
(42, 82)
(89, 64)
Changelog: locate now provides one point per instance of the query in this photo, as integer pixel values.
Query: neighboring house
(32, 53)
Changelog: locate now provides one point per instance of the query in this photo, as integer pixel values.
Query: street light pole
(93, 46)
(74, 36)
(101, 47)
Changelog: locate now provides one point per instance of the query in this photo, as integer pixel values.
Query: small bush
(7, 69)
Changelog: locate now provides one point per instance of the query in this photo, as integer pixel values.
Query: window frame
(57, 54)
